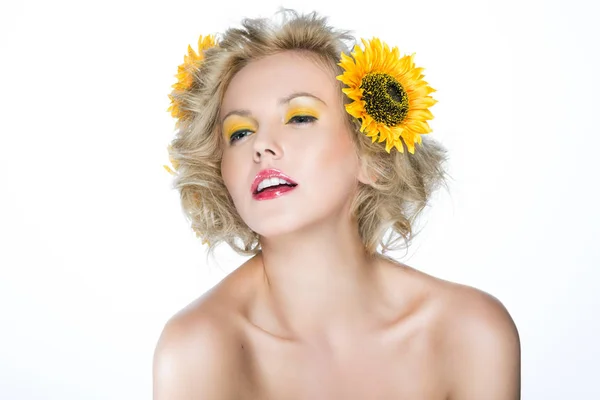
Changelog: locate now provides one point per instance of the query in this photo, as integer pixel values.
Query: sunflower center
(385, 99)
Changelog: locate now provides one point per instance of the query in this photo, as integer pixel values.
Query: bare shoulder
(481, 346)
(475, 340)
(197, 354)
(194, 355)
(462, 312)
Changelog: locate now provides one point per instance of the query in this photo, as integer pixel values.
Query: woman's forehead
(278, 76)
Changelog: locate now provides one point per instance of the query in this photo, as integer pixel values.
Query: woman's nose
(267, 144)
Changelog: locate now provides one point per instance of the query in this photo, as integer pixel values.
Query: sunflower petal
(419, 114)
(422, 103)
(354, 94)
(356, 109)
(388, 145)
(399, 146)
(418, 126)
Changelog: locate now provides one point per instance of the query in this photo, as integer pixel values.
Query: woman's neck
(321, 282)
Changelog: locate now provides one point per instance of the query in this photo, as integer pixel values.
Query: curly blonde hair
(404, 182)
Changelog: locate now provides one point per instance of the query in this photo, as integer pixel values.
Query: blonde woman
(309, 162)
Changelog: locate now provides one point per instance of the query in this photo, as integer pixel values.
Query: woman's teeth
(270, 182)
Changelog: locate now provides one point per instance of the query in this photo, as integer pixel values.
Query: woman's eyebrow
(292, 96)
(285, 100)
(241, 113)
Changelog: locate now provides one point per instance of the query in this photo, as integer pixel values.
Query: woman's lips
(269, 173)
(273, 192)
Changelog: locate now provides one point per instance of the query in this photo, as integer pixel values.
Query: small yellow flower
(390, 96)
(186, 71)
(174, 163)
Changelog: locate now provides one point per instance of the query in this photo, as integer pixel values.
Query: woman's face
(285, 112)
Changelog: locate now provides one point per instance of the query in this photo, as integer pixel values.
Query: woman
(273, 158)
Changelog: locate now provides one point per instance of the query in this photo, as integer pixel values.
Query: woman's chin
(269, 231)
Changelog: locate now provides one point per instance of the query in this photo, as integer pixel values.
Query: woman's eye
(237, 135)
(302, 119)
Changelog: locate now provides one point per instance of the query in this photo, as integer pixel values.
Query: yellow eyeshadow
(295, 111)
(234, 124)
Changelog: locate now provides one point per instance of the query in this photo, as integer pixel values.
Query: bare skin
(312, 316)
(422, 338)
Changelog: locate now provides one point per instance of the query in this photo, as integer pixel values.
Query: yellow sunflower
(390, 96)
(186, 71)
(185, 80)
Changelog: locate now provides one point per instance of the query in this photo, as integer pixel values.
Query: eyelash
(235, 134)
(296, 117)
(299, 119)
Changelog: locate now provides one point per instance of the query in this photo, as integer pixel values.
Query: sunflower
(185, 80)
(186, 71)
(390, 96)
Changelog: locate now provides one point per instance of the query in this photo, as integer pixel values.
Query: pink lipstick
(271, 183)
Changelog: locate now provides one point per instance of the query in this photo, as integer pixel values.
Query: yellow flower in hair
(391, 99)
(174, 163)
(186, 71)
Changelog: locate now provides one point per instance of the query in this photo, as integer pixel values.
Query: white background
(95, 253)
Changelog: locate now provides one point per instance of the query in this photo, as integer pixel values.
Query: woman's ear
(364, 175)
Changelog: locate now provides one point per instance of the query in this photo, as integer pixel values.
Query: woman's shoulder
(473, 336)
(213, 316)
(193, 354)
(461, 311)
(476, 336)
(467, 313)
(481, 345)
(449, 303)
(198, 349)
